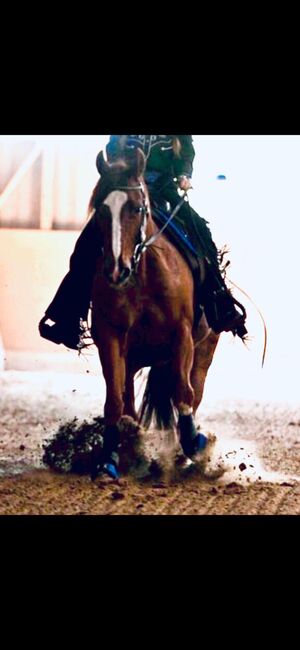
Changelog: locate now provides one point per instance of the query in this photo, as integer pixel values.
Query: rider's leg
(72, 299)
(220, 305)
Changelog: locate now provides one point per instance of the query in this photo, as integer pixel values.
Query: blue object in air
(221, 177)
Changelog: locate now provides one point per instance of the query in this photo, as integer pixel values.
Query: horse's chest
(149, 315)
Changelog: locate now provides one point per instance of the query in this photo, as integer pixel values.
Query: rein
(142, 247)
(154, 237)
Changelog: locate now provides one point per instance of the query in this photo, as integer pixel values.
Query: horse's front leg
(112, 357)
(129, 398)
(203, 356)
(183, 355)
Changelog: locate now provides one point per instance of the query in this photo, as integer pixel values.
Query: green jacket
(158, 151)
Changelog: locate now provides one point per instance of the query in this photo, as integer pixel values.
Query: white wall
(256, 212)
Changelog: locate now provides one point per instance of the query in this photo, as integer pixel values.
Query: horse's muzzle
(119, 276)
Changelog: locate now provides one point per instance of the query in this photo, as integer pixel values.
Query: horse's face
(123, 217)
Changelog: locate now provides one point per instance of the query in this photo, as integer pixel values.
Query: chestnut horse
(143, 315)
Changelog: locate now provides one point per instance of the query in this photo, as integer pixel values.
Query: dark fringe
(223, 264)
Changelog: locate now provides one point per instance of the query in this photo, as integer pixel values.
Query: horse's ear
(137, 162)
(101, 164)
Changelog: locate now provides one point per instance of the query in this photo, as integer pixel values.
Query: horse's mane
(115, 169)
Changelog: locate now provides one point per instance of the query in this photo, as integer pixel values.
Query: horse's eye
(137, 209)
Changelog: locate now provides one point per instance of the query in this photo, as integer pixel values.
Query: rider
(168, 157)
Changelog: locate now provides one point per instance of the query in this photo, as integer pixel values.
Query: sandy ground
(257, 443)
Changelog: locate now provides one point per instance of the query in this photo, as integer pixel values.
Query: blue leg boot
(192, 441)
(105, 460)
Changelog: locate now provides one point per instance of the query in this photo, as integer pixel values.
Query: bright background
(255, 211)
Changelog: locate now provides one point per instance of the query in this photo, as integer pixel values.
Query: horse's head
(122, 204)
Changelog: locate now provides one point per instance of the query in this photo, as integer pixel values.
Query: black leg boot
(66, 312)
(223, 312)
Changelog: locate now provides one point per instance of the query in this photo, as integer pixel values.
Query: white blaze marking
(115, 202)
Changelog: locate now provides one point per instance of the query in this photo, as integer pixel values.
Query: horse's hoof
(106, 468)
(111, 470)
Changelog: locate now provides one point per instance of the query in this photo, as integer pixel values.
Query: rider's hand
(184, 183)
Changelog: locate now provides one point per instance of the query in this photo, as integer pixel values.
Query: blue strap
(182, 235)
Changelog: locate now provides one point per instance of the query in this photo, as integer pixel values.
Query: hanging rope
(262, 318)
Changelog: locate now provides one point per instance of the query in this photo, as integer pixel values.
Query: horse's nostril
(118, 276)
(111, 276)
(125, 273)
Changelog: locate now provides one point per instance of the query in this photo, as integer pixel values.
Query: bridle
(143, 210)
(143, 245)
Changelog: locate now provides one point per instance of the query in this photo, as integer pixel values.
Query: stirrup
(242, 308)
